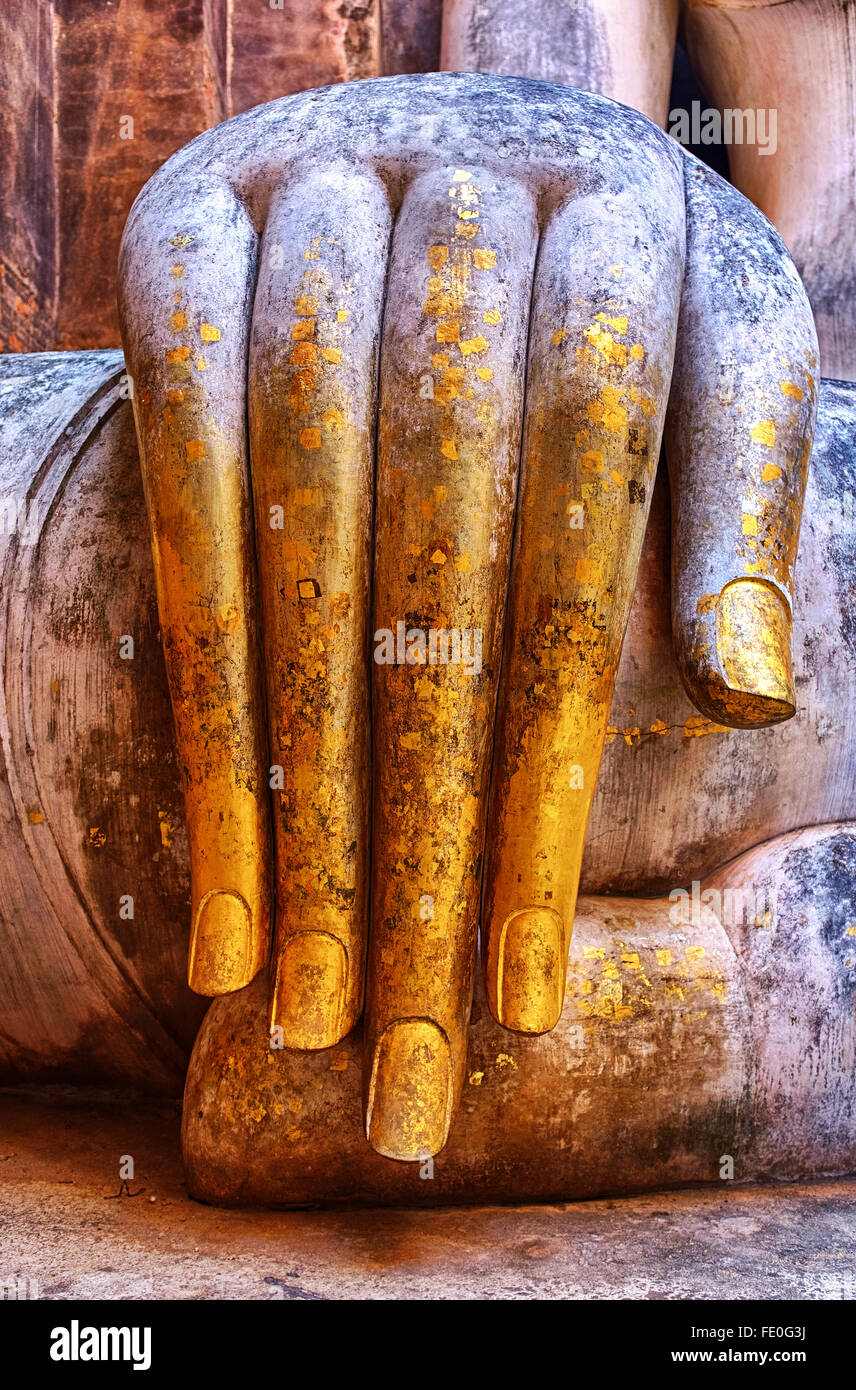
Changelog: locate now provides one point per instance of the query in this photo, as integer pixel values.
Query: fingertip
(410, 1097)
(751, 683)
(528, 973)
(309, 1001)
(221, 940)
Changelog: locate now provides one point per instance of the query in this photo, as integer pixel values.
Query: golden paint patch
(437, 256)
(448, 331)
(182, 239)
(439, 360)
(492, 316)
(750, 524)
(707, 603)
(587, 570)
(619, 324)
(179, 321)
(195, 450)
(306, 305)
(790, 388)
(484, 259)
(592, 461)
(303, 353)
(695, 953)
(467, 230)
(448, 449)
(461, 176)
(179, 354)
(175, 397)
(637, 352)
(608, 411)
(764, 433)
(178, 270)
(228, 618)
(603, 342)
(332, 355)
(438, 558)
(209, 334)
(310, 438)
(486, 373)
(477, 344)
(303, 329)
(663, 957)
(770, 472)
(333, 420)
(659, 727)
(697, 726)
(35, 817)
(342, 315)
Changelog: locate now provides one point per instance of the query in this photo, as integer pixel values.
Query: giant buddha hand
(403, 355)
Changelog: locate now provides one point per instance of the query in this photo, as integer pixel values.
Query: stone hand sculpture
(394, 247)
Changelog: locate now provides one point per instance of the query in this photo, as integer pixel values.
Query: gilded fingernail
(309, 995)
(530, 984)
(753, 643)
(220, 944)
(410, 1094)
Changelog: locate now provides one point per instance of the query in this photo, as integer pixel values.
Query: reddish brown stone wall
(28, 229)
(136, 79)
(98, 93)
(306, 43)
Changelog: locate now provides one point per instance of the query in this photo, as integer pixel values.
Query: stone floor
(63, 1227)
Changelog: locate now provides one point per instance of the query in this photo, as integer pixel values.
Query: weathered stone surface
(159, 67)
(301, 44)
(410, 38)
(729, 1242)
(620, 48)
(763, 59)
(99, 93)
(28, 195)
(77, 1002)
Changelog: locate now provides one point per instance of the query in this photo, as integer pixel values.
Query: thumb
(738, 437)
